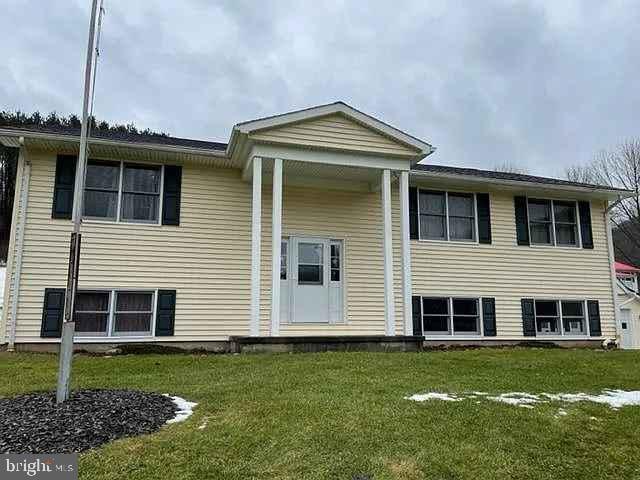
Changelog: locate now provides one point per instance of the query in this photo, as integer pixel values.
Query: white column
(256, 235)
(406, 253)
(389, 310)
(276, 239)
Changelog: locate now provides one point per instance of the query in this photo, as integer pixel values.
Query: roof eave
(601, 192)
(110, 142)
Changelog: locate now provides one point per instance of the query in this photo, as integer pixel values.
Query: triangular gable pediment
(337, 127)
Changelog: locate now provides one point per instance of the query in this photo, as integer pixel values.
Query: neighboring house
(628, 304)
(312, 226)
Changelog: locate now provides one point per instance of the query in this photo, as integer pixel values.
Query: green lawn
(340, 415)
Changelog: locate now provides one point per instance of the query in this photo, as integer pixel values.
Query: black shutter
(165, 313)
(484, 217)
(593, 308)
(416, 313)
(64, 185)
(489, 316)
(585, 224)
(52, 313)
(414, 222)
(171, 196)
(528, 318)
(522, 220)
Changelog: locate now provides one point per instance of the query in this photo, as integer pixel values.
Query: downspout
(22, 221)
(612, 267)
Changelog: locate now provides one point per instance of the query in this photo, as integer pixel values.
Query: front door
(626, 328)
(310, 279)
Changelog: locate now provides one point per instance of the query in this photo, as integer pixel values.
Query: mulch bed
(35, 424)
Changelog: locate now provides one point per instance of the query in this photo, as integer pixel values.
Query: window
(447, 216)
(560, 317)
(573, 318)
(547, 317)
(120, 191)
(553, 222)
(335, 262)
(310, 263)
(450, 316)
(114, 313)
(283, 259)
(133, 313)
(102, 183)
(92, 313)
(140, 194)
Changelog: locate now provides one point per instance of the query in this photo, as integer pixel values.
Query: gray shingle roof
(517, 177)
(128, 137)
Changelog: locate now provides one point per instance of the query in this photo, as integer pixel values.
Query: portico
(314, 267)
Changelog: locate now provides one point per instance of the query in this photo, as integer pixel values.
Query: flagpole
(68, 325)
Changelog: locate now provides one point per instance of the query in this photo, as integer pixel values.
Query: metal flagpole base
(66, 354)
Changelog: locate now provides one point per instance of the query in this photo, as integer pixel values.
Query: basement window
(450, 316)
(114, 313)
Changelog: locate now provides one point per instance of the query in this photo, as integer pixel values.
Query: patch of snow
(203, 425)
(561, 413)
(423, 397)
(615, 399)
(516, 398)
(185, 409)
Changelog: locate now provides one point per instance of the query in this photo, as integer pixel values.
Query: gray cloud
(542, 84)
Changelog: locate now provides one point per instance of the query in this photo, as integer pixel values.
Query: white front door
(626, 328)
(310, 279)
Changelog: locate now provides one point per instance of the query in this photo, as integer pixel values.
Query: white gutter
(17, 269)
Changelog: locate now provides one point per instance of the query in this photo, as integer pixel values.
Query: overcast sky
(540, 84)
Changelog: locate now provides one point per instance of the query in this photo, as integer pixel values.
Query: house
(628, 304)
(320, 226)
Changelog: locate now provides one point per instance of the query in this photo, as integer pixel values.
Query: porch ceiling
(336, 177)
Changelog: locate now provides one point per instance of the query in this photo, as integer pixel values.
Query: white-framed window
(560, 317)
(336, 260)
(553, 222)
(451, 316)
(123, 192)
(115, 313)
(284, 257)
(310, 263)
(447, 216)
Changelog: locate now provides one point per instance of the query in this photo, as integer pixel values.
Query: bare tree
(510, 167)
(619, 168)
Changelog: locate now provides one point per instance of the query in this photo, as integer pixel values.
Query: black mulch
(35, 424)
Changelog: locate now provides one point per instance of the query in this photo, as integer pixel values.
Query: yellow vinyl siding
(335, 132)
(510, 272)
(206, 259)
(355, 218)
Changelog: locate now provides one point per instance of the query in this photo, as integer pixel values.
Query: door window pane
(310, 274)
(91, 313)
(335, 262)
(141, 193)
(133, 314)
(283, 260)
(310, 253)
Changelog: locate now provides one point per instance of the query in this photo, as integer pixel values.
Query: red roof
(624, 268)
